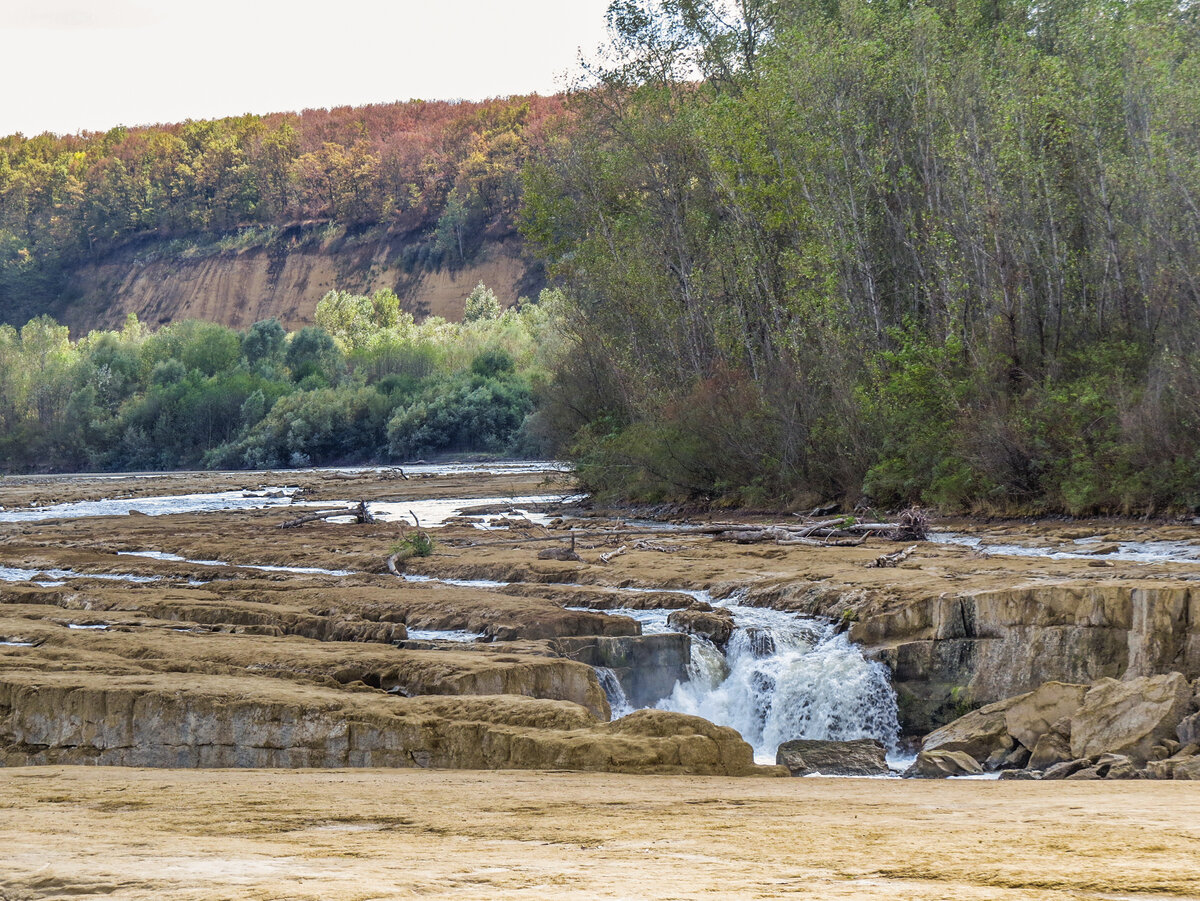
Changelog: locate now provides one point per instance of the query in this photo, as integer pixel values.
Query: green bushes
(379, 387)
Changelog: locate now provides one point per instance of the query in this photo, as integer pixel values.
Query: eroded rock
(1130, 717)
(979, 733)
(858, 757)
(1034, 715)
(714, 624)
(939, 764)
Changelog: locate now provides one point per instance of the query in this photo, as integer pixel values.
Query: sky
(89, 65)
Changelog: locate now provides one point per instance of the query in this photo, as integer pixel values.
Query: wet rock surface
(858, 757)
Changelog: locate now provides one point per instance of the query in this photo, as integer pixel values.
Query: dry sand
(341, 835)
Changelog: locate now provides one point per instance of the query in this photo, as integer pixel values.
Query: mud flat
(342, 835)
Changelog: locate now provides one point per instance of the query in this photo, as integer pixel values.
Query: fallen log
(893, 559)
(361, 515)
(608, 558)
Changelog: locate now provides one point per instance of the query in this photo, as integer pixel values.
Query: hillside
(244, 218)
(240, 287)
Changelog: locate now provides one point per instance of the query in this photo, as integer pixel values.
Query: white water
(16, 574)
(782, 677)
(1128, 551)
(617, 702)
(263, 567)
(459, 635)
(211, 502)
(785, 677)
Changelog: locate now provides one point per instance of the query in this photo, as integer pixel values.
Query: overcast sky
(88, 65)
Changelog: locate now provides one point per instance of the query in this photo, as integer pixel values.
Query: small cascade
(784, 677)
(614, 692)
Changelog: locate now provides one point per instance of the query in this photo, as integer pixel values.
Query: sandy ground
(341, 835)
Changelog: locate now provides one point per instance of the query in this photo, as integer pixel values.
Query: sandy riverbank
(341, 835)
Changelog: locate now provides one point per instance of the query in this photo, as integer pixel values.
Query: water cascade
(783, 677)
(614, 692)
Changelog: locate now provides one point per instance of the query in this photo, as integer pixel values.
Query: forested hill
(240, 219)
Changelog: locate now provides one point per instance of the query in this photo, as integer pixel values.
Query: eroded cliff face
(181, 720)
(981, 647)
(285, 281)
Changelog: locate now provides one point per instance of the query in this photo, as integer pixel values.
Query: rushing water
(1082, 549)
(262, 567)
(459, 635)
(614, 691)
(784, 677)
(16, 574)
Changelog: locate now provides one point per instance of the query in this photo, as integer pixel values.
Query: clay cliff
(283, 280)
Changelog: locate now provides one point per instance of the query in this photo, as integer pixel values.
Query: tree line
(888, 250)
(365, 383)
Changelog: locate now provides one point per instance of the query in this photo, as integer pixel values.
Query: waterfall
(614, 692)
(783, 677)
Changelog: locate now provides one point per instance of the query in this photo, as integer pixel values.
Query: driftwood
(608, 558)
(893, 559)
(361, 515)
(911, 525)
(643, 545)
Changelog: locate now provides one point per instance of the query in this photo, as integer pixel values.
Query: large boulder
(940, 764)
(1033, 715)
(1131, 717)
(1187, 768)
(860, 757)
(980, 733)
(1050, 749)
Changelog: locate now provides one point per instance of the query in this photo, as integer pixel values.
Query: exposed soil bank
(135, 835)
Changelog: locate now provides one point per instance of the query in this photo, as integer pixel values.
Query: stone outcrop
(979, 733)
(647, 666)
(1034, 715)
(1130, 717)
(858, 757)
(987, 645)
(1109, 730)
(180, 720)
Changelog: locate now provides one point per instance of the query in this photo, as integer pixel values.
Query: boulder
(1020, 774)
(1012, 758)
(715, 624)
(1188, 729)
(1131, 717)
(1108, 766)
(1051, 748)
(1066, 769)
(1035, 714)
(1187, 768)
(860, 757)
(939, 764)
(980, 733)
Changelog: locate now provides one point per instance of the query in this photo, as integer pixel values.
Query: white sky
(77, 65)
